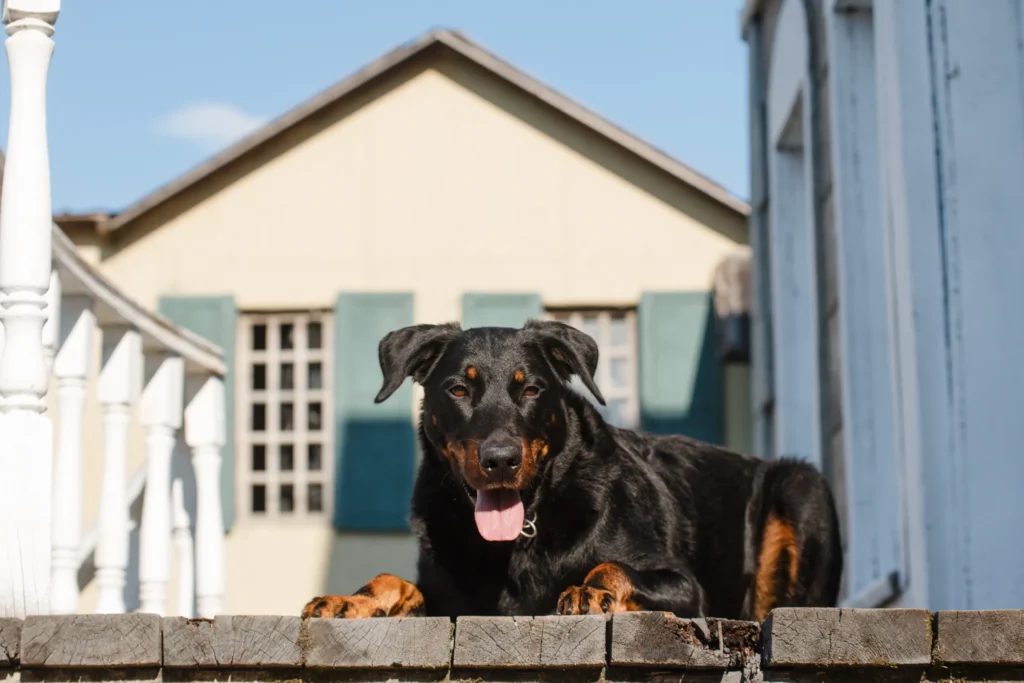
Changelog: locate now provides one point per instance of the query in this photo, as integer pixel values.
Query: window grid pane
(288, 474)
(616, 376)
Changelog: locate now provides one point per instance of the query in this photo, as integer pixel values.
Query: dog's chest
(530, 584)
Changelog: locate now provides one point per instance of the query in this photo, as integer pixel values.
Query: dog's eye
(459, 391)
(531, 391)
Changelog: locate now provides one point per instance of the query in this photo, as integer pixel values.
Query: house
(887, 149)
(438, 183)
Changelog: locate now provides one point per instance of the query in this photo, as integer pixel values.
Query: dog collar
(529, 527)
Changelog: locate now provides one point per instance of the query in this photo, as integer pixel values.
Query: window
(615, 334)
(285, 436)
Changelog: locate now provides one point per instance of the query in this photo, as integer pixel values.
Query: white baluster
(204, 433)
(71, 366)
(26, 218)
(51, 327)
(119, 384)
(161, 414)
(182, 538)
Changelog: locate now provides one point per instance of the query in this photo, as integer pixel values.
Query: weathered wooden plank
(10, 641)
(660, 639)
(409, 643)
(189, 642)
(232, 641)
(980, 637)
(91, 640)
(847, 637)
(530, 642)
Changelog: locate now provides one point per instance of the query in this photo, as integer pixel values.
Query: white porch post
(26, 432)
(204, 433)
(71, 366)
(161, 413)
(52, 325)
(183, 556)
(119, 384)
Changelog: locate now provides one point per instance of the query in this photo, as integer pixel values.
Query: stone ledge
(793, 644)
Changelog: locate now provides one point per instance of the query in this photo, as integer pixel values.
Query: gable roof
(464, 48)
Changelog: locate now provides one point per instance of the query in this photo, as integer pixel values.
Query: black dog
(528, 503)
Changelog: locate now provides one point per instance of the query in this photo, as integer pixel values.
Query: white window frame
(272, 397)
(629, 352)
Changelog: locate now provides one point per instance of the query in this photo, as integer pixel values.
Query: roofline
(467, 49)
(74, 270)
(749, 10)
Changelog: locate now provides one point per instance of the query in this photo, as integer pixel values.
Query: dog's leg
(615, 587)
(796, 541)
(385, 595)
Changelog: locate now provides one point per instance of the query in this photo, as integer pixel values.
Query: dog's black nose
(500, 461)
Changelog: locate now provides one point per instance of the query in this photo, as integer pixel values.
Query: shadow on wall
(375, 469)
(701, 414)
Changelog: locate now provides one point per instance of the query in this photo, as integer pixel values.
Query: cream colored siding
(431, 183)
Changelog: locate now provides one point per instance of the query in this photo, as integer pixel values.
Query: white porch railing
(53, 306)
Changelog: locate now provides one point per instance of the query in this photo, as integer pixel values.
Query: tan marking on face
(433, 420)
(519, 376)
(471, 372)
(554, 418)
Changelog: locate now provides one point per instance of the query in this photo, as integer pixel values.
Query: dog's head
(493, 404)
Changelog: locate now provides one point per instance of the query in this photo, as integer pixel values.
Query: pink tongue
(499, 514)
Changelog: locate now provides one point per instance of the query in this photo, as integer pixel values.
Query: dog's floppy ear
(412, 352)
(569, 351)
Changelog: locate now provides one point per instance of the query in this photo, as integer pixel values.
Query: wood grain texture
(405, 642)
(660, 639)
(980, 637)
(232, 641)
(10, 642)
(91, 640)
(530, 642)
(847, 637)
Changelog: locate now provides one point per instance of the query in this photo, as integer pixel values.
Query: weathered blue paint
(680, 377)
(214, 318)
(375, 444)
(874, 530)
(762, 382)
(499, 310)
(981, 173)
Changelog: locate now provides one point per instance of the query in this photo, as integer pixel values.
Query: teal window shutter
(214, 319)
(680, 377)
(499, 310)
(375, 444)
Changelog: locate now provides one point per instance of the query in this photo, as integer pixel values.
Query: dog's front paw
(607, 588)
(587, 600)
(343, 607)
(384, 596)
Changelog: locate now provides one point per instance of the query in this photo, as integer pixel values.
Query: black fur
(683, 519)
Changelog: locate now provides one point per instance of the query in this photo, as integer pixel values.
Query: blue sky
(142, 90)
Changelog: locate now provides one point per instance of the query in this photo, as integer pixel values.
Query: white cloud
(211, 125)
